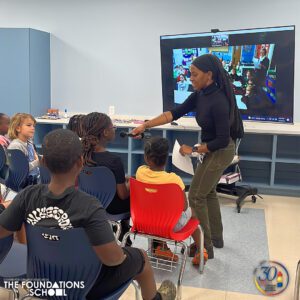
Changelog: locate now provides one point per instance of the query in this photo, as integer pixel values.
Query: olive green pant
(203, 196)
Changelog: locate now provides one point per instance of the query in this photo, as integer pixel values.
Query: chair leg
(201, 265)
(189, 249)
(179, 292)
(16, 293)
(150, 245)
(118, 232)
(182, 268)
(297, 282)
(125, 237)
(137, 290)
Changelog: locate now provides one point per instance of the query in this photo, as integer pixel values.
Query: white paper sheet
(183, 163)
(237, 83)
(10, 195)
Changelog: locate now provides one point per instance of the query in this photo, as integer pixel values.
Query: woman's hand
(164, 118)
(185, 150)
(138, 130)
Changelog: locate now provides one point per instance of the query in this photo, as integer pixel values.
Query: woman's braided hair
(76, 124)
(94, 125)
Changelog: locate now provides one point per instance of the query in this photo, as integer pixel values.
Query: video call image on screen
(262, 74)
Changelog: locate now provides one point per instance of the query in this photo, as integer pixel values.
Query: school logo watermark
(271, 278)
(43, 287)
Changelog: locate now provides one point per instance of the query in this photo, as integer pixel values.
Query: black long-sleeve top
(212, 115)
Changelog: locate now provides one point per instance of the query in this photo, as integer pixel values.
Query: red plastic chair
(155, 210)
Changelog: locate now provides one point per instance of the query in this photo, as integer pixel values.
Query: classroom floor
(282, 229)
(282, 218)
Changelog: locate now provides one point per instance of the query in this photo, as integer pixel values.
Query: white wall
(106, 52)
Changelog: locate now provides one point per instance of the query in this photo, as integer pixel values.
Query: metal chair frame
(297, 283)
(176, 238)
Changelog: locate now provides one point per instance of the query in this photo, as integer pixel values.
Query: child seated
(156, 152)
(99, 131)
(43, 205)
(21, 132)
(76, 124)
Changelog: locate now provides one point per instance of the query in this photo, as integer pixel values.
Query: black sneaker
(210, 252)
(125, 227)
(167, 290)
(218, 243)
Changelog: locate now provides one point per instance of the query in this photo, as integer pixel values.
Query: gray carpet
(246, 245)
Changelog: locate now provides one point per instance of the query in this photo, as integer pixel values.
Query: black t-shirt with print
(36, 205)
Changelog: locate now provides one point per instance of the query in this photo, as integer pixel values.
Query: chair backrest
(44, 175)
(2, 157)
(5, 245)
(18, 168)
(99, 182)
(62, 255)
(155, 208)
(3, 165)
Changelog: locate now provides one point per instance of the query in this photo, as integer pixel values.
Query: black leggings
(118, 206)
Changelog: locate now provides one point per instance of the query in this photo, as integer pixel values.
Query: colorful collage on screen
(248, 66)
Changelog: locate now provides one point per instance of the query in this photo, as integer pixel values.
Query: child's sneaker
(167, 290)
(165, 253)
(196, 258)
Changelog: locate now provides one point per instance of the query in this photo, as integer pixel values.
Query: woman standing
(218, 116)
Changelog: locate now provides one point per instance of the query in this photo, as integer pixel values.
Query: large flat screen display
(260, 63)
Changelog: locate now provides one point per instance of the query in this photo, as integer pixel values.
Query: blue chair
(3, 166)
(2, 157)
(45, 175)
(18, 169)
(12, 261)
(5, 245)
(101, 183)
(64, 255)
